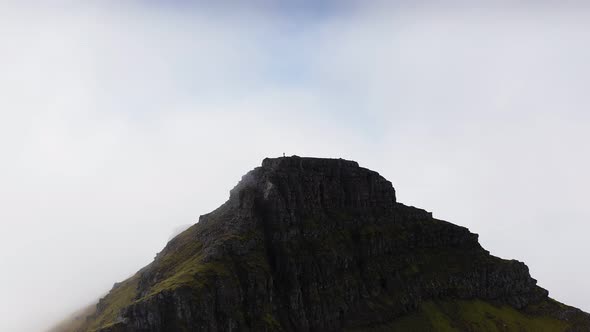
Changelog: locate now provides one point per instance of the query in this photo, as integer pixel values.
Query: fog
(121, 124)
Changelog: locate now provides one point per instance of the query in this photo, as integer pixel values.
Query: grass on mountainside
(181, 264)
(472, 316)
(117, 299)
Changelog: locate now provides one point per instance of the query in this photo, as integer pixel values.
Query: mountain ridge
(315, 244)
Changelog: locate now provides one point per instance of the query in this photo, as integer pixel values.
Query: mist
(121, 124)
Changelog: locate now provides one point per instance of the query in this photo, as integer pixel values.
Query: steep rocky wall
(308, 244)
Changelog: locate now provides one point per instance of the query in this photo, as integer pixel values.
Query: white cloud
(119, 123)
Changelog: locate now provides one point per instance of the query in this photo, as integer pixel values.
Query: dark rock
(307, 244)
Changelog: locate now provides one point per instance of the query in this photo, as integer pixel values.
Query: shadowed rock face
(306, 244)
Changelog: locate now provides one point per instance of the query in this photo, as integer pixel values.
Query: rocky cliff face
(307, 244)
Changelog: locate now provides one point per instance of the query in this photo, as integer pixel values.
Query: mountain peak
(307, 163)
(312, 244)
(312, 185)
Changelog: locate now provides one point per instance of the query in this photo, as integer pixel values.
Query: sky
(119, 123)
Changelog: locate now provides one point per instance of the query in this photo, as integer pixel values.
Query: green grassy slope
(472, 316)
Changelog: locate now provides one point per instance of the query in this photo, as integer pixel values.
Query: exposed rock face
(308, 244)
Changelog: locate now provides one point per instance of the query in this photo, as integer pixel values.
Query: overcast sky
(120, 123)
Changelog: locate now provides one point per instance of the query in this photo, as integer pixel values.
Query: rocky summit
(308, 244)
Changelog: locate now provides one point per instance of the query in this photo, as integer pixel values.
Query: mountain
(309, 244)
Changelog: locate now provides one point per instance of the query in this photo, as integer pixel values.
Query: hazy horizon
(122, 123)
